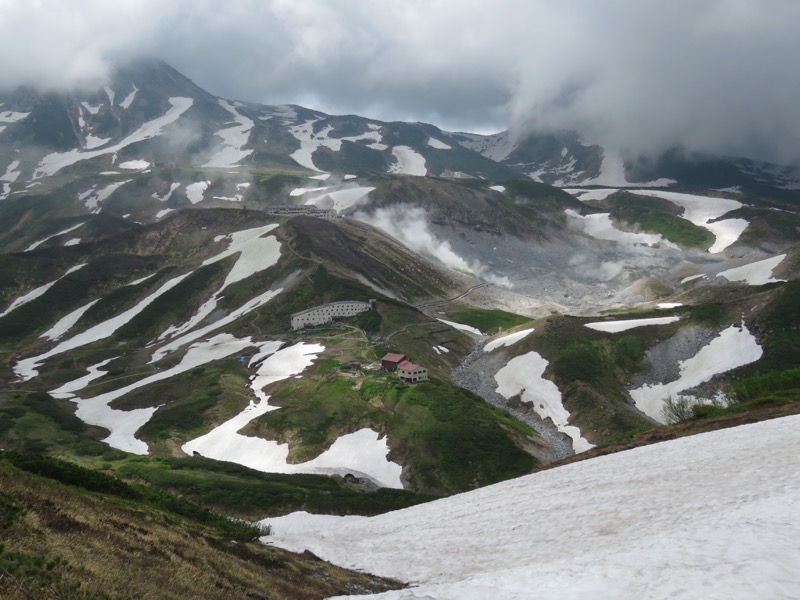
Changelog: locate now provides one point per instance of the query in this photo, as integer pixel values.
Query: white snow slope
(709, 516)
(523, 376)
(733, 347)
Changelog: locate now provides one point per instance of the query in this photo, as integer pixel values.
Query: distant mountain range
(155, 241)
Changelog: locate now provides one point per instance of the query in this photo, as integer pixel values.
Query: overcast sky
(710, 75)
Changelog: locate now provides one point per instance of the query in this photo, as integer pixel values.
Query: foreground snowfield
(710, 516)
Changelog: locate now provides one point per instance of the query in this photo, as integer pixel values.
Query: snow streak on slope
(732, 348)
(126, 103)
(122, 424)
(310, 141)
(498, 146)
(33, 294)
(462, 327)
(701, 210)
(617, 326)
(9, 177)
(38, 243)
(523, 376)
(93, 198)
(507, 340)
(709, 516)
(408, 162)
(256, 253)
(172, 188)
(757, 273)
(438, 144)
(361, 453)
(233, 140)
(65, 323)
(27, 368)
(52, 163)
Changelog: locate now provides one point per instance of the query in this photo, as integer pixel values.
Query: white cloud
(714, 75)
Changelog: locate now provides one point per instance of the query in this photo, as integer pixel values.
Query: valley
(155, 242)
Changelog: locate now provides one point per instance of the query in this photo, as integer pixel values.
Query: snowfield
(709, 516)
(523, 376)
(757, 273)
(701, 210)
(38, 243)
(195, 192)
(408, 162)
(122, 424)
(507, 340)
(617, 326)
(462, 327)
(35, 293)
(362, 453)
(732, 348)
(601, 227)
(52, 163)
(234, 139)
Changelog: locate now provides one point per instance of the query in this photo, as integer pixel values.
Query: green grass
(450, 439)
(247, 493)
(659, 216)
(489, 321)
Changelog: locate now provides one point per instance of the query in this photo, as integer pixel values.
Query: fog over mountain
(710, 75)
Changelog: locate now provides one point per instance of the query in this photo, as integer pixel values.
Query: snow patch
(585, 195)
(56, 161)
(711, 515)
(601, 227)
(26, 369)
(507, 340)
(126, 103)
(134, 165)
(38, 243)
(123, 425)
(523, 376)
(700, 210)
(196, 191)
(438, 144)
(36, 293)
(757, 273)
(498, 188)
(65, 323)
(408, 162)
(341, 199)
(461, 327)
(360, 453)
(233, 138)
(617, 326)
(732, 348)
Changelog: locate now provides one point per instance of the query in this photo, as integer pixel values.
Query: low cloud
(410, 226)
(707, 75)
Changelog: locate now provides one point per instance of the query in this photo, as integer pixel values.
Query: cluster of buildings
(405, 369)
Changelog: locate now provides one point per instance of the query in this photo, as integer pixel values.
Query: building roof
(395, 358)
(407, 365)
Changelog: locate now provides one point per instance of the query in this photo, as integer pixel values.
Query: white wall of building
(319, 315)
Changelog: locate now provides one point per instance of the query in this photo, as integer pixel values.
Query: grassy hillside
(72, 533)
(448, 439)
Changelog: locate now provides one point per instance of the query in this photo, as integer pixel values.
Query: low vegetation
(656, 215)
(449, 439)
(69, 532)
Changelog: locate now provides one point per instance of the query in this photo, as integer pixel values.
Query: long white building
(326, 313)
